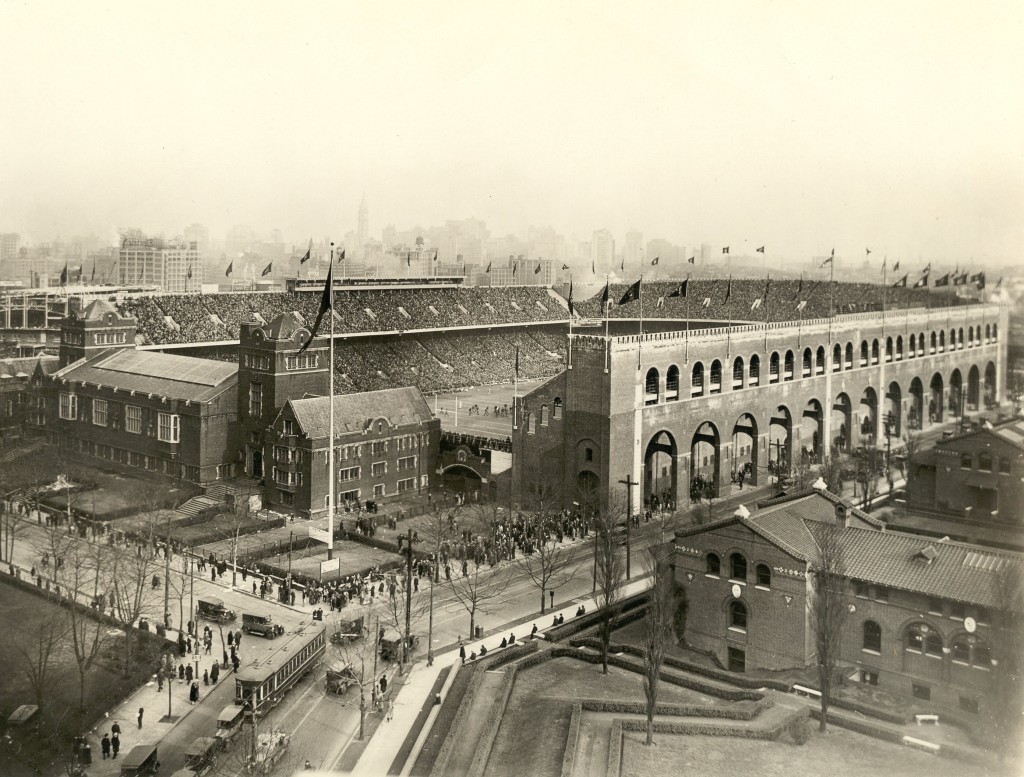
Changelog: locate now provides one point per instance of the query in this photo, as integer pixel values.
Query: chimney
(842, 514)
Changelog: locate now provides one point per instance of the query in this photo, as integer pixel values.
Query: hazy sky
(795, 124)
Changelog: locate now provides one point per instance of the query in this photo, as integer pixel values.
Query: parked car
(260, 624)
(213, 609)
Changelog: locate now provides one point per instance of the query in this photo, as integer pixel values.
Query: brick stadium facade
(665, 407)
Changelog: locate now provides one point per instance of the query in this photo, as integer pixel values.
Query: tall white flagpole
(330, 450)
(570, 321)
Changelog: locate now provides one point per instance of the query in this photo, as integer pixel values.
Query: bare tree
(34, 650)
(479, 588)
(354, 659)
(831, 472)
(827, 607)
(608, 572)
(657, 629)
(1007, 699)
(436, 530)
(546, 561)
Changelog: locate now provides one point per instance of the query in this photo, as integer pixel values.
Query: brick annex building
(203, 420)
(924, 616)
(663, 408)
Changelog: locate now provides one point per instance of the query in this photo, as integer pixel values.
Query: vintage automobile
(201, 755)
(141, 760)
(229, 722)
(391, 649)
(339, 680)
(213, 609)
(348, 631)
(262, 625)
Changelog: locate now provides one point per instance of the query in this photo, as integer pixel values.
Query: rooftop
(354, 412)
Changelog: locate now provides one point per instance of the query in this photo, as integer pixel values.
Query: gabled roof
(151, 372)
(354, 412)
(97, 309)
(1010, 432)
(24, 366)
(284, 326)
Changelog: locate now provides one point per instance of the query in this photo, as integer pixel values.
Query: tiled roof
(284, 326)
(23, 366)
(352, 412)
(151, 372)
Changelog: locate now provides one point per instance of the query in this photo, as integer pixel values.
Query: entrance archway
(660, 476)
(869, 417)
(780, 440)
(990, 384)
(842, 414)
(894, 408)
(462, 480)
(257, 463)
(915, 419)
(744, 449)
(973, 388)
(936, 399)
(705, 464)
(956, 393)
(812, 427)
(588, 486)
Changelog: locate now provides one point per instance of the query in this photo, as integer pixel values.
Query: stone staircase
(236, 487)
(196, 505)
(22, 450)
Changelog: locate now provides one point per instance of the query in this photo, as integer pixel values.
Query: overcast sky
(792, 124)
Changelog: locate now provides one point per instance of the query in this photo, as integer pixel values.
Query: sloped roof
(1011, 432)
(284, 326)
(24, 366)
(352, 412)
(151, 372)
(97, 309)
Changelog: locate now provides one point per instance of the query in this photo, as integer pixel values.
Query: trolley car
(261, 687)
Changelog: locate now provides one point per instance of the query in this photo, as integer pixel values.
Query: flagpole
(607, 340)
(728, 333)
(687, 298)
(885, 262)
(570, 321)
(767, 286)
(831, 291)
(330, 448)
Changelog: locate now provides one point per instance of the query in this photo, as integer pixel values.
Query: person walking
(105, 746)
(116, 729)
(141, 711)
(462, 652)
(115, 745)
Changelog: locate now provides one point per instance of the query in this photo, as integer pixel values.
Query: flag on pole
(64, 275)
(593, 268)
(661, 302)
(93, 278)
(654, 261)
(514, 266)
(188, 275)
(706, 303)
(488, 268)
(309, 253)
(681, 290)
(728, 289)
(341, 256)
(867, 252)
(326, 303)
(943, 281)
(828, 261)
(767, 288)
(901, 283)
(435, 254)
(760, 250)
(268, 269)
(565, 267)
(756, 304)
(896, 267)
(605, 294)
(408, 259)
(725, 249)
(799, 288)
(572, 310)
(801, 304)
(536, 269)
(922, 282)
(517, 361)
(927, 269)
(960, 280)
(622, 267)
(632, 293)
(692, 259)
(978, 279)
(999, 282)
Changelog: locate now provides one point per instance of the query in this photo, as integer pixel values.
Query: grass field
(353, 558)
(444, 406)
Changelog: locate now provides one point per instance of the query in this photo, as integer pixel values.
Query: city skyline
(798, 128)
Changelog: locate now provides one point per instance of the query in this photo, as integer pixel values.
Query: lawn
(59, 719)
(837, 753)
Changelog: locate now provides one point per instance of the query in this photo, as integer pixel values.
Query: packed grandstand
(442, 339)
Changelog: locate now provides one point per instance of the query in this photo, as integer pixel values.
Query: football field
(454, 409)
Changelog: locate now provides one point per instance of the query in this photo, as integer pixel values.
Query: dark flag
(326, 303)
(725, 250)
(514, 266)
(593, 267)
(760, 250)
(536, 269)
(622, 267)
(896, 267)
(64, 275)
(572, 310)
(435, 254)
(867, 252)
(655, 260)
(309, 252)
(408, 259)
(632, 293)
(341, 256)
(960, 280)
(231, 268)
(188, 275)
(517, 361)
(93, 278)
(901, 283)
(488, 268)
(268, 269)
(922, 282)
(681, 290)
(728, 289)
(978, 279)
(799, 288)
(604, 294)
(828, 261)
(692, 259)
(999, 282)
(943, 281)
(565, 267)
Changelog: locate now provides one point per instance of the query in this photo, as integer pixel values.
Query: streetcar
(260, 688)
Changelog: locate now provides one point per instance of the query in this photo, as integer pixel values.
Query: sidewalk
(383, 748)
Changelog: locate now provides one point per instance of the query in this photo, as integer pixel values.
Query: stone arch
(995, 332)
(869, 417)
(956, 391)
(960, 338)
(988, 333)
(934, 344)
(894, 408)
(780, 440)
(889, 352)
(697, 380)
(874, 351)
(754, 378)
(913, 346)
(973, 388)
(737, 372)
(461, 479)
(837, 357)
(970, 336)
(715, 377)
(661, 468)
(915, 412)
(588, 490)
(819, 361)
(652, 386)
(936, 399)
(744, 449)
(920, 343)
(848, 362)
(812, 430)
(807, 366)
(865, 354)
(788, 366)
(990, 384)
(705, 458)
(899, 347)
(672, 384)
(842, 416)
(774, 368)
(942, 341)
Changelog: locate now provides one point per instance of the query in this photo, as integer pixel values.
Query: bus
(260, 687)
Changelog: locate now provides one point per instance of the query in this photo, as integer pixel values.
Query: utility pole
(408, 596)
(628, 482)
(191, 588)
(167, 570)
(291, 536)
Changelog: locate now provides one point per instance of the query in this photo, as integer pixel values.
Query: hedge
(503, 656)
(571, 743)
(450, 706)
(614, 764)
(860, 726)
(625, 612)
(711, 730)
(866, 709)
(742, 710)
(444, 754)
(490, 730)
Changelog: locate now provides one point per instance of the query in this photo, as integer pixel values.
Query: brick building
(16, 401)
(664, 408)
(924, 616)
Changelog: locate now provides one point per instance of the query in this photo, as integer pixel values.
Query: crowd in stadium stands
(706, 299)
(215, 317)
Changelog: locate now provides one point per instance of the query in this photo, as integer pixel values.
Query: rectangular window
(304, 361)
(1004, 469)
(406, 485)
(379, 468)
(288, 427)
(133, 419)
(69, 407)
(922, 692)
(935, 606)
(255, 399)
(957, 611)
(379, 447)
(406, 463)
(868, 677)
(99, 412)
(284, 454)
(168, 427)
(286, 478)
(350, 473)
(860, 589)
(967, 704)
(378, 490)
(965, 461)
(881, 593)
(348, 496)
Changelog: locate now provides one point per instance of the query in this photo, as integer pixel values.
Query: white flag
(706, 303)
(661, 302)
(802, 304)
(757, 304)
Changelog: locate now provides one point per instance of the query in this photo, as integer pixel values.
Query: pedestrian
(188, 673)
(116, 729)
(215, 673)
(181, 673)
(141, 711)
(206, 677)
(193, 694)
(115, 745)
(462, 652)
(105, 746)
(238, 637)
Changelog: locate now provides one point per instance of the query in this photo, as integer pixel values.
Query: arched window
(531, 423)
(872, 637)
(737, 567)
(933, 644)
(899, 347)
(920, 344)
(922, 638)
(755, 370)
(764, 575)
(651, 387)
(913, 346)
(787, 366)
(714, 565)
(984, 461)
(942, 341)
(715, 384)
(697, 380)
(874, 351)
(543, 415)
(737, 615)
(995, 332)
(737, 373)
(819, 361)
(970, 337)
(773, 368)
(888, 349)
(849, 356)
(988, 333)
(837, 358)
(864, 354)
(808, 363)
(934, 343)
(558, 408)
(672, 384)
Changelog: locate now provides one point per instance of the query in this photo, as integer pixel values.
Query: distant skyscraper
(362, 228)
(602, 251)
(9, 246)
(166, 264)
(633, 251)
(706, 253)
(200, 235)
